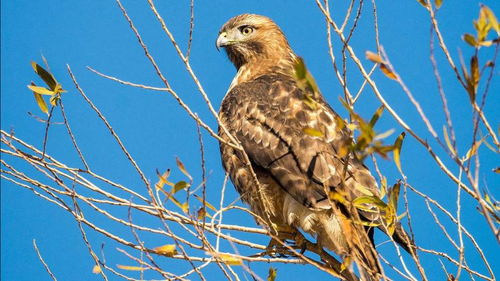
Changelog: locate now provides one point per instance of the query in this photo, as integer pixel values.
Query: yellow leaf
(339, 122)
(338, 196)
(313, 132)
(166, 250)
(397, 150)
(448, 142)
(352, 126)
(438, 3)
(182, 206)
(368, 223)
(491, 18)
(497, 170)
(345, 263)
(343, 151)
(486, 43)
(40, 101)
(227, 258)
(183, 168)
(163, 179)
(383, 187)
(400, 217)
(206, 203)
(185, 207)
(41, 90)
(271, 276)
(472, 151)
(385, 69)
(131, 268)
(96, 269)
(309, 101)
(363, 189)
(373, 57)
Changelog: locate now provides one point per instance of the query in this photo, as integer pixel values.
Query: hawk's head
(253, 39)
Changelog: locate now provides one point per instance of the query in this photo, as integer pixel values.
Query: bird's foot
(286, 245)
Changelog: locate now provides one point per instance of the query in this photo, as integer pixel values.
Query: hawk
(291, 141)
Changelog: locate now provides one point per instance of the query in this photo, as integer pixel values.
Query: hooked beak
(222, 41)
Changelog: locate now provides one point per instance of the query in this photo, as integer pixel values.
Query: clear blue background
(155, 129)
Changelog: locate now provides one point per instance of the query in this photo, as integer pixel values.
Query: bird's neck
(255, 68)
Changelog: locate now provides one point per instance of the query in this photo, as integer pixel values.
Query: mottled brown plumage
(267, 112)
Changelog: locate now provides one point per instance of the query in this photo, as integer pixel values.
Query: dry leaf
(131, 268)
(96, 269)
(183, 168)
(385, 69)
(373, 57)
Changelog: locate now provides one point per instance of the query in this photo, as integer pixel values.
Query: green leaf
(470, 39)
(394, 196)
(46, 76)
(373, 200)
(179, 186)
(397, 151)
(41, 90)
(376, 115)
(271, 276)
(304, 78)
(300, 68)
(423, 3)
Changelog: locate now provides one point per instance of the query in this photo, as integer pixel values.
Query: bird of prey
(291, 143)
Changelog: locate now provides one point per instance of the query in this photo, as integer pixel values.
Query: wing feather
(268, 116)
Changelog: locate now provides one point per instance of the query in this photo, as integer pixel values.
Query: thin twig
(43, 262)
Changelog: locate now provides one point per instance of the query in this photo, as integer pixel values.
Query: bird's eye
(245, 30)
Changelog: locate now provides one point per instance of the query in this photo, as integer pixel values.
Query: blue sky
(156, 130)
